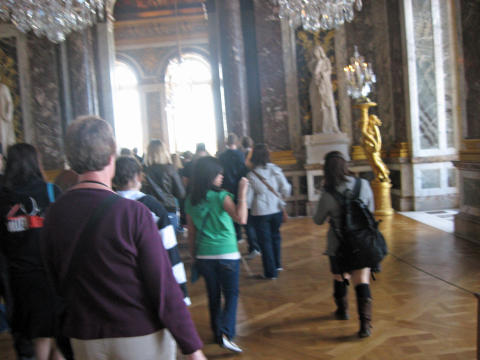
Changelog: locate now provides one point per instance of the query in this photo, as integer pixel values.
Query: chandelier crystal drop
(314, 15)
(54, 19)
(359, 77)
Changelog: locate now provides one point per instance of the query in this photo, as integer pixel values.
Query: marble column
(291, 78)
(80, 48)
(467, 222)
(214, 50)
(105, 51)
(272, 78)
(86, 60)
(68, 80)
(232, 59)
(44, 93)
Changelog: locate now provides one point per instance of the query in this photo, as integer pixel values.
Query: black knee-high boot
(364, 305)
(341, 299)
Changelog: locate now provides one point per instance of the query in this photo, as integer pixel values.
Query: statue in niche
(7, 132)
(324, 113)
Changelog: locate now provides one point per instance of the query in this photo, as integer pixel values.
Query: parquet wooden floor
(415, 315)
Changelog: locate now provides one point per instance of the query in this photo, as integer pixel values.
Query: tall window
(431, 76)
(190, 109)
(432, 84)
(127, 111)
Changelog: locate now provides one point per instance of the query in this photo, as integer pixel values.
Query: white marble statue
(7, 132)
(324, 113)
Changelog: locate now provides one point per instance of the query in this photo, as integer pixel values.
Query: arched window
(127, 110)
(190, 110)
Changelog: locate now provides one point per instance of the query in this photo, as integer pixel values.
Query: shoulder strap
(51, 192)
(341, 198)
(83, 240)
(357, 187)
(262, 179)
(156, 188)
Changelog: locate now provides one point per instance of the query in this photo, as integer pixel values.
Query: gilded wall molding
(282, 158)
(471, 151)
(400, 150)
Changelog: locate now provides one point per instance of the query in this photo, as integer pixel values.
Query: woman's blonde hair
(157, 153)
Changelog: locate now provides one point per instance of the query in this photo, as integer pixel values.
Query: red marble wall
(271, 77)
(470, 15)
(45, 102)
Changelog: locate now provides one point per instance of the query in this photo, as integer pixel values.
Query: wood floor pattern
(415, 316)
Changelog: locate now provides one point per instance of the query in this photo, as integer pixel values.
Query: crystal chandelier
(316, 15)
(360, 77)
(54, 19)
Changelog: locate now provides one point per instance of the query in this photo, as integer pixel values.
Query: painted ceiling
(135, 6)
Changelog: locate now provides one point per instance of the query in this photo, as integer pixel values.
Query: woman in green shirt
(213, 242)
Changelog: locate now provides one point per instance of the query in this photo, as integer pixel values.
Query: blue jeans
(3, 318)
(172, 216)
(269, 239)
(251, 235)
(221, 277)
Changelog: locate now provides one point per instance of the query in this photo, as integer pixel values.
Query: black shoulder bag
(361, 242)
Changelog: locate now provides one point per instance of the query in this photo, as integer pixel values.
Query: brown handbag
(262, 179)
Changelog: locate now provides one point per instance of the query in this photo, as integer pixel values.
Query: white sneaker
(252, 254)
(230, 345)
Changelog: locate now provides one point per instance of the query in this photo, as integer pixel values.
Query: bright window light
(190, 111)
(127, 111)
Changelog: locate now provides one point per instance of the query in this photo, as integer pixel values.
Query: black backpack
(361, 243)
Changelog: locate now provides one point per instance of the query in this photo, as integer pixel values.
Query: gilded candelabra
(360, 78)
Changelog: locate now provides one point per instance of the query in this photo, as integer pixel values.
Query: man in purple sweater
(121, 293)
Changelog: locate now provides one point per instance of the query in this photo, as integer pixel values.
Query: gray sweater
(261, 201)
(328, 207)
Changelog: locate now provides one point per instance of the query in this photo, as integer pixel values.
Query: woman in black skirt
(339, 178)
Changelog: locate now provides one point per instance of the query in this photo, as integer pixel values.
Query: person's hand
(242, 188)
(197, 355)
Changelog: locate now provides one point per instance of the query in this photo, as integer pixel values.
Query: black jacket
(233, 163)
(168, 180)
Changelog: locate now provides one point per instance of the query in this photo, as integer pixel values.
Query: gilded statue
(372, 144)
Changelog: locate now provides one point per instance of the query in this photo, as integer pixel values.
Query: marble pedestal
(317, 145)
